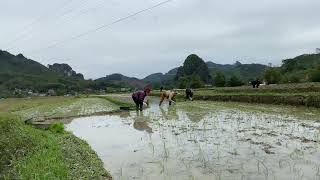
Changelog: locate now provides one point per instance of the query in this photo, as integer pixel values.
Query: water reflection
(169, 113)
(141, 122)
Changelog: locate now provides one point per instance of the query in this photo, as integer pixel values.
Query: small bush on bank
(314, 75)
(57, 127)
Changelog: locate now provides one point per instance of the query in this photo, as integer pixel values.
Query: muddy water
(201, 140)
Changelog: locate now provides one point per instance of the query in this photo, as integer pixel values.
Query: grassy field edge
(30, 153)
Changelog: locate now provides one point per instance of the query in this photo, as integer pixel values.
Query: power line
(28, 27)
(105, 26)
(72, 10)
(81, 12)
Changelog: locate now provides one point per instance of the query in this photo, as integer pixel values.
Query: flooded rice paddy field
(206, 140)
(78, 106)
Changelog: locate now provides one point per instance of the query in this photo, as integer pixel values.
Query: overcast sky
(222, 31)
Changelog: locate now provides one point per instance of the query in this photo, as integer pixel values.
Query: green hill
(301, 63)
(160, 79)
(21, 75)
(245, 72)
(193, 73)
(303, 68)
(194, 65)
(65, 70)
(118, 81)
(20, 64)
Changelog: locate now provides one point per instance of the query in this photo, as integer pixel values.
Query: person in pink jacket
(139, 96)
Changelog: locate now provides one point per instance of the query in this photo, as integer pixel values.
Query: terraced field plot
(69, 107)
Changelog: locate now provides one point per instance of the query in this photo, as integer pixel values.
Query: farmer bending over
(170, 95)
(139, 96)
(189, 94)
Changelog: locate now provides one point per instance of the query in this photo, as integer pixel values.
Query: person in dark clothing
(255, 83)
(161, 89)
(258, 83)
(189, 94)
(139, 96)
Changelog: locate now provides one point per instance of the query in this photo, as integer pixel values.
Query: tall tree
(272, 75)
(234, 81)
(314, 75)
(219, 79)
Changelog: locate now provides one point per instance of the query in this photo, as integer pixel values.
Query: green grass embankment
(30, 153)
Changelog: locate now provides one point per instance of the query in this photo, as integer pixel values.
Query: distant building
(317, 50)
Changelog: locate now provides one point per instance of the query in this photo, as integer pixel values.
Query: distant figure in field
(161, 89)
(189, 94)
(255, 83)
(139, 96)
(170, 95)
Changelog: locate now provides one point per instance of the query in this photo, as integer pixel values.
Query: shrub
(57, 127)
(314, 75)
(196, 81)
(272, 76)
(219, 79)
(234, 81)
(292, 78)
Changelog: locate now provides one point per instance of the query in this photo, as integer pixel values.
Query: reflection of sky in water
(203, 141)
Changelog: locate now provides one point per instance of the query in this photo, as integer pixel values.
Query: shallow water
(206, 140)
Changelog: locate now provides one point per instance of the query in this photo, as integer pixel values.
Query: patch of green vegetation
(304, 68)
(57, 127)
(219, 79)
(81, 161)
(28, 153)
(118, 101)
